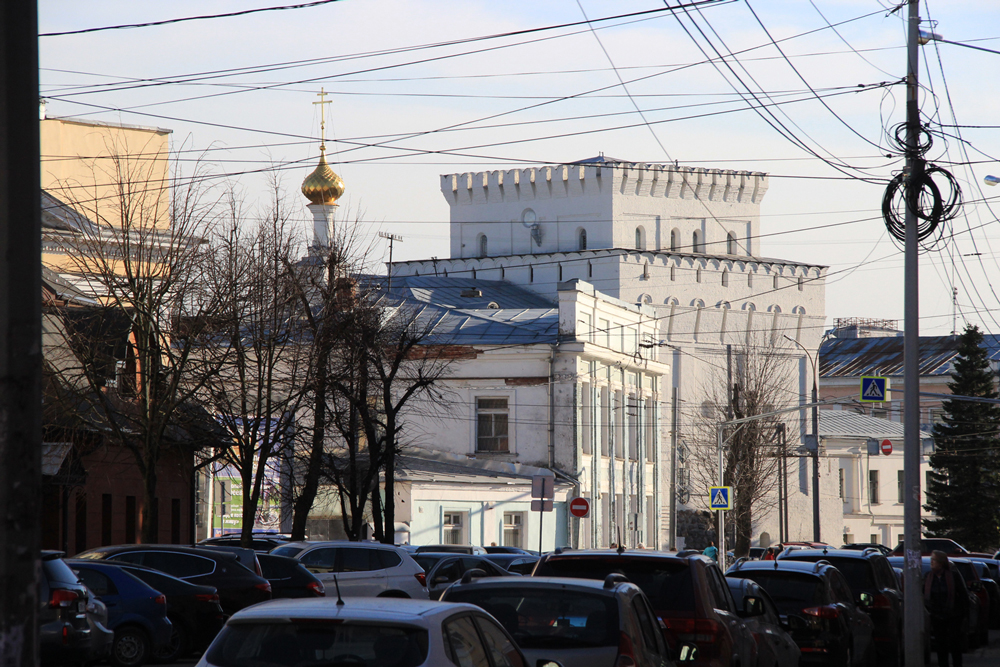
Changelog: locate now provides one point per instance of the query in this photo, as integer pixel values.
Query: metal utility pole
(913, 611)
(391, 238)
(815, 436)
(20, 335)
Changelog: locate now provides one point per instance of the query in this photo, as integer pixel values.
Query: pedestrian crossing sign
(873, 389)
(721, 497)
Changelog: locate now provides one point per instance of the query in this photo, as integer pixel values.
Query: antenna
(391, 238)
(340, 600)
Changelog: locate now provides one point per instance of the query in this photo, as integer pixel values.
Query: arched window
(731, 244)
(725, 278)
(640, 238)
(775, 281)
(697, 275)
(696, 241)
(483, 247)
(583, 239)
(675, 239)
(802, 283)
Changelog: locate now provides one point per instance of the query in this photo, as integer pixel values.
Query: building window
(749, 280)
(640, 238)
(900, 485)
(453, 528)
(583, 239)
(802, 282)
(491, 424)
(674, 239)
(731, 244)
(696, 241)
(842, 495)
(775, 286)
(697, 276)
(513, 529)
(873, 487)
(483, 246)
(725, 278)
(875, 539)
(531, 274)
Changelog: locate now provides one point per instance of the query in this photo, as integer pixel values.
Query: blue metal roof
(518, 316)
(854, 357)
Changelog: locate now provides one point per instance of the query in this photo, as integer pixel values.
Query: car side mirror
(752, 606)
(865, 600)
(440, 579)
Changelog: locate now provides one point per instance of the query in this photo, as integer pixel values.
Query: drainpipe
(552, 406)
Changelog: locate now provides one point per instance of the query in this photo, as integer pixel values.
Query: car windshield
(857, 571)
(287, 550)
(790, 591)
(665, 581)
(318, 643)
(544, 617)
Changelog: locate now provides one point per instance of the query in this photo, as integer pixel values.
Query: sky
(421, 88)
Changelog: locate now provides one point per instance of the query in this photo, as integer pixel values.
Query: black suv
(875, 590)
(819, 608)
(71, 626)
(689, 594)
(238, 587)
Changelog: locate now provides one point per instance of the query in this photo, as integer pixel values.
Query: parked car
(775, 647)
(362, 569)
(237, 586)
(193, 609)
(818, 607)
(364, 631)
(137, 612)
(991, 581)
(756, 553)
(929, 544)
(875, 589)
(689, 594)
(451, 568)
(577, 622)
(72, 623)
(289, 578)
(973, 581)
(261, 542)
(507, 550)
(516, 563)
(861, 546)
(452, 549)
(246, 557)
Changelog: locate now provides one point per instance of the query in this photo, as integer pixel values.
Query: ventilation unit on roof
(493, 305)
(472, 293)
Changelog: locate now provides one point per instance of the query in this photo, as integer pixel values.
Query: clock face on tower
(528, 218)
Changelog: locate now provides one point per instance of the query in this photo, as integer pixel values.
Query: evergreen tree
(964, 486)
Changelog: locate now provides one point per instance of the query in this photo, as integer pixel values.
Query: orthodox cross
(322, 117)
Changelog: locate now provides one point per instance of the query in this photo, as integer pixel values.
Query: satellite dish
(529, 219)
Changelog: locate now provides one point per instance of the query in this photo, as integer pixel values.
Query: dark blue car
(137, 613)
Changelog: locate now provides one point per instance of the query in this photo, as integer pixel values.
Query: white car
(363, 632)
(361, 569)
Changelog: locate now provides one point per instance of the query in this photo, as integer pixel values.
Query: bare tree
(136, 252)
(252, 339)
(761, 376)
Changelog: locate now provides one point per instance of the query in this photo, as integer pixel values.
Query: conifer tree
(964, 484)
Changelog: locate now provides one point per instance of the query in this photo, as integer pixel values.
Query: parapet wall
(637, 179)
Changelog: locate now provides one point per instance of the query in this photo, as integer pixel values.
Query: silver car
(363, 632)
(361, 569)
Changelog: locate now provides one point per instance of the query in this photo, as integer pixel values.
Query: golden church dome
(323, 186)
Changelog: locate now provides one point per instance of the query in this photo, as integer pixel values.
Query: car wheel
(130, 647)
(177, 647)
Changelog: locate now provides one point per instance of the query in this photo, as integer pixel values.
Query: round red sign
(579, 507)
(887, 447)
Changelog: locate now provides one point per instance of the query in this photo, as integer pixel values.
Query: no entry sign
(580, 508)
(886, 447)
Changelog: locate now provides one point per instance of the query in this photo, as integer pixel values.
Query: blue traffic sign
(873, 389)
(720, 497)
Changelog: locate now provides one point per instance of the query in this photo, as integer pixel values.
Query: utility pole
(391, 238)
(913, 610)
(20, 335)
(815, 435)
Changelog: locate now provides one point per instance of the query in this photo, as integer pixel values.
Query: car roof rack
(614, 579)
(739, 562)
(870, 550)
(820, 563)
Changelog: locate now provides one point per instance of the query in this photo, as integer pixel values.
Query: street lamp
(815, 435)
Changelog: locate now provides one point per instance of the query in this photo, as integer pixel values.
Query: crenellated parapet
(632, 178)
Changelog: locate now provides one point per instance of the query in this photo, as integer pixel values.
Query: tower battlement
(632, 178)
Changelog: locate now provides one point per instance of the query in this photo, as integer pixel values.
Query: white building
(683, 242)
